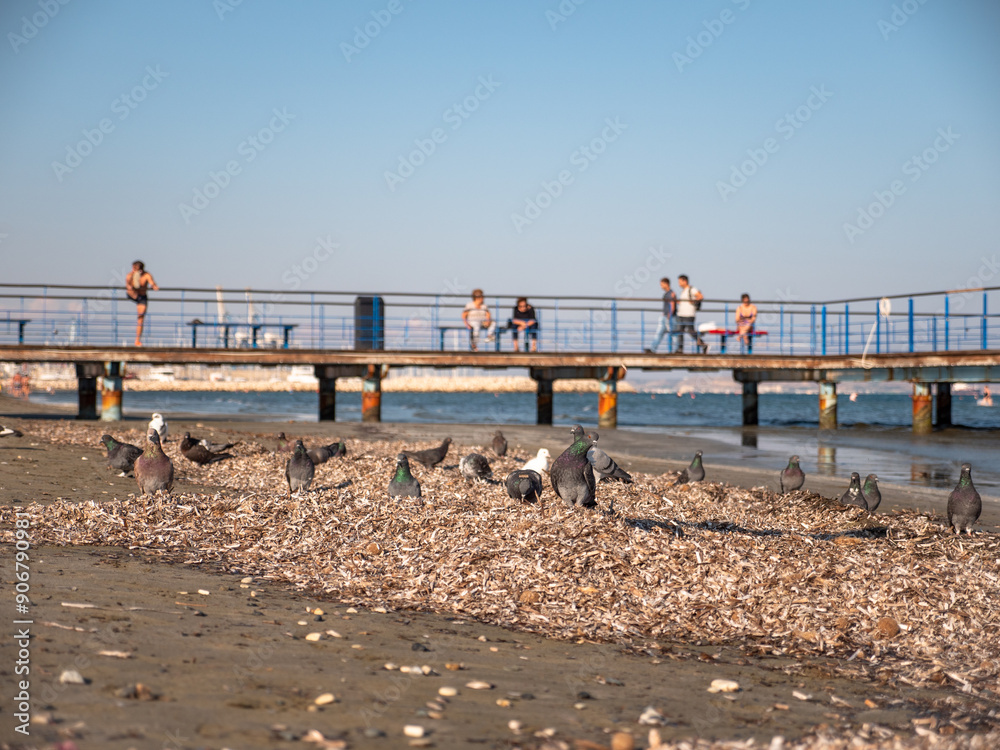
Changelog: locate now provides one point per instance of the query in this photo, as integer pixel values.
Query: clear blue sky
(837, 96)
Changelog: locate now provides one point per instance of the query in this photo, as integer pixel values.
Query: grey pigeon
(604, 465)
(572, 476)
(475, 467)
(431, 457)
(153, 469)
(216, 447)
(791, 477)
(693, 473)
(198, 453)
(299, 469)
(10, 432)
(854, 495)
(403, 483)
(524, 484)
(325, 452)
(870, 489)
(964, 503)
(499, 444)
(284, 446)
(121, 456)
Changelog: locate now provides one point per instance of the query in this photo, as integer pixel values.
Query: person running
(688, 302)
(137, 283)
(665, 326)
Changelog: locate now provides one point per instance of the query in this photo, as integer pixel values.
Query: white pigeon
(159, 424)
(541, 462)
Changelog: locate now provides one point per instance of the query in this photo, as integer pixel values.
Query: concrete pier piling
(371, 393)
(827, 405)
(86, 388)
(607, 400)
(111, 392)
(922, 412)
(943, 405)
(750, 402)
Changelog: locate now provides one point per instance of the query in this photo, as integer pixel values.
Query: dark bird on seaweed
(284, 446)
(324, 453)
(524, 484)
(475, 467)
(499, 444)
(403, 483)
(870, 490)
(121, 456)
(854, 495)
(964, 503)
(299, 470)
(198, 453)
(432, 456)
(10, 432)
(217, 447)
(572, 476)
(791, 477)
(604, 465)
(153, 469)
(693, 473)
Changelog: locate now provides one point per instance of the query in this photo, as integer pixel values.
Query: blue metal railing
(91, 315)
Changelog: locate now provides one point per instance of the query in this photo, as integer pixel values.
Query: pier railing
(65, 315)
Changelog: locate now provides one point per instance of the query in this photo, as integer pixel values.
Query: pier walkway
(937, 339)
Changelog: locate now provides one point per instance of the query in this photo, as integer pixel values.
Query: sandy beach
(230, 616)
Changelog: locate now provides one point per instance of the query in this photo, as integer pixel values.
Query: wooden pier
(922, 369)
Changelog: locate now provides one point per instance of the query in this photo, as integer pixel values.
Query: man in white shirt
(476, 316)
(686, 310)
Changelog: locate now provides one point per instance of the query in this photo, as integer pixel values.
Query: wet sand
(233, 668)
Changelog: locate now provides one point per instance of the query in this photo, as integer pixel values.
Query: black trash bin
(369, 323)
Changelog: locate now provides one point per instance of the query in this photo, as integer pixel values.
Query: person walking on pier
(688, 302)
(477, 317)
(746, 316)
(665, 326)
(137, 283)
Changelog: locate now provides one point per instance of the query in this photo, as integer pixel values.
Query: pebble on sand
(724, 686)
(479, 685)
(71, 677)
(324, 699)
(447, 691)
(414, 730)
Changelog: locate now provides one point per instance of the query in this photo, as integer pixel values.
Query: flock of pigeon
(574, 474)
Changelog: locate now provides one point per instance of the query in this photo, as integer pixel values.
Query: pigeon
(153, 469)
(198, 453)
(403, 483)
(964, 503)
(216, 447)
(604, 465)
(870, 489)
(283, 445)
(10, 432)
(432, 456)
(539, 463)
(159, 424)
(791, 477)
(524, 484)
(475, 467)
(693, 473)
(121, 456)
(499, 444)
(299, 470)
(325, 452)
(572, 476)
(854, 495)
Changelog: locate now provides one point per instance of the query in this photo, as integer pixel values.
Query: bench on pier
(724, 333)
(500, 331)
(255, 328)
(21, 323)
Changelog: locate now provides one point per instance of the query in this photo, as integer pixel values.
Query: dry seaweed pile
(892, 596)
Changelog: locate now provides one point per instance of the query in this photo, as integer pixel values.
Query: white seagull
(159, 424)
(541, 462)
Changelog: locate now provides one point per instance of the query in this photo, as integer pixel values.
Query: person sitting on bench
(524, 320)
(746, 316)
